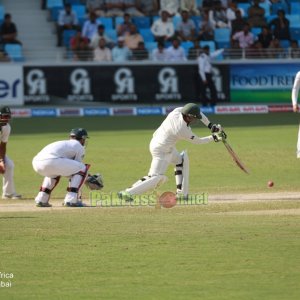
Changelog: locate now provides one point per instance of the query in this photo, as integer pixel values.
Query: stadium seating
(141, 22)
(72, 2)
(211, 44)
(54, 3)
(147, 35)
(244, 7)
(118, 21)
(285, 43)
(266, 7)
(15, 52)
(197, 20)
(112, 34)
(294, 20)
(186, 46)
(295, 8)
(80, 11)
(67, 35)
(222, 37)
(107, 22)
(176, 20)
(1, 14)
(256, 30)
(277, 6)
(295, 33)
(54, 12)
(150, 46)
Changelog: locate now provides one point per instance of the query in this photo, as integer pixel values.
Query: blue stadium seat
(53, 3)
(197, 20)
(285, 43)
(277, 6)
(67, 35)
(147, 35)
(154, 18)
(118, 21)
(186, 46)
(107, 22)
(72, 2)
(294, 20)
(15, 52)
(211, 44)
(54, 12)
(295, 33)
(80, 11)
(244, 7)
(176, 20)
(266, 7)
(256, 30)
(222, 34)
(150, 46)
(112, 34)
(141, 22)
(1, 14)
(295, 8)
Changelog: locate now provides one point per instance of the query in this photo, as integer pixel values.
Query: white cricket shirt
(5, 132)
(173, 129)
(71, 149)
(295, 90)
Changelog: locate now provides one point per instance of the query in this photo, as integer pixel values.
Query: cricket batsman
(295, 93)
(162, 147)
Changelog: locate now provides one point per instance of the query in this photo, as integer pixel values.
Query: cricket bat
(235, 157)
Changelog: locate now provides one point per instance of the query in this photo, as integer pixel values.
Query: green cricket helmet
(191, 110)
(79, 133)
(5, 115)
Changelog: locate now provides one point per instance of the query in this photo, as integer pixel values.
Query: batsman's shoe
(77, 204)
(14, 196)
(123, 195)
(41, 204)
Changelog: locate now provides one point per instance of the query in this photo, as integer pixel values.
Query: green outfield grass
(258, 96)
(241, 250)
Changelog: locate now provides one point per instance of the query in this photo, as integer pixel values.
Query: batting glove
(219, 136)
(215, 127)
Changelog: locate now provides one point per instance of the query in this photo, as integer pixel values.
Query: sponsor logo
(280, 108)
(37, 86)
(43, 112)
(81, 86)
(128, 111)
(241, 109)
(96, 112)
(21, 112)
(168, 82)
(145, 111)
(125, 86)
(69, 112)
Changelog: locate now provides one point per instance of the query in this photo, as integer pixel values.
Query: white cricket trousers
(162, 158)
(8, 187)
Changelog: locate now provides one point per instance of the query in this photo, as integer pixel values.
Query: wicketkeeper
(162, 147)
(63, 158)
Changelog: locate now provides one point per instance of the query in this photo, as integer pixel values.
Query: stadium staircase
(34, 31)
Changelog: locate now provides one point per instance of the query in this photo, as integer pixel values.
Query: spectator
(8, 31)
(163, 28)
(160, 53)
(96, 6)
(176, 52)
(256, 15)
(190, 6)
(124, 27)
(280, 26)
(231, 12)
(265, 37)
(90, 26)
(102, 53)
(171, 6)
(132, 38)
(67, 20)
(194, 51)
(256, 51)
(140, 53)
(206, 76)
(244, 37)
(275, 50)
(217, 16)
(295, 50)
(114, 8)
(206, 32)
(186, 28)
(120, 53)
(131, 7)
(101, 34)
(149, 7)
(238, 23)
(80, 47)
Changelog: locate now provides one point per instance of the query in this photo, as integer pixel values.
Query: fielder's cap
(79, 133)
(191, 110)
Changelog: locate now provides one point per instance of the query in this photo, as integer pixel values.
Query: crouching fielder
(162, 147)
(62, 158)
(295, 93)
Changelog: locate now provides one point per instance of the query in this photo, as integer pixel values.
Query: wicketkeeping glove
(94, 182)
